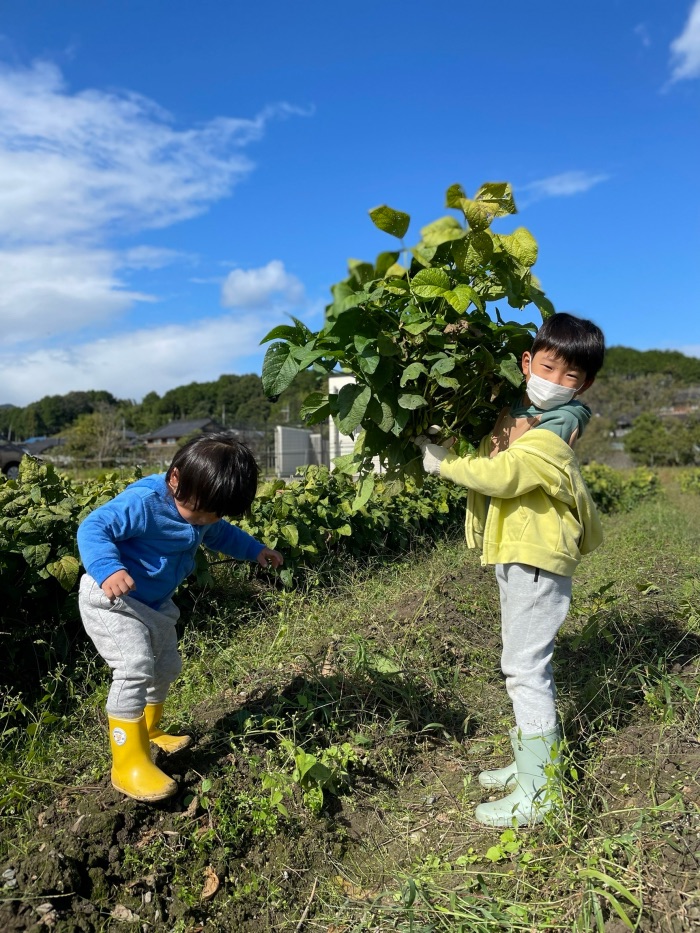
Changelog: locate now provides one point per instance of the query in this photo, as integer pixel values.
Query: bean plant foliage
(424, 339)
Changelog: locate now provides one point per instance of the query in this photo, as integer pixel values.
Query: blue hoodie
(142, 532)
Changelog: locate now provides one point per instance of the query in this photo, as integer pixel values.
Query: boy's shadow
(367, 710)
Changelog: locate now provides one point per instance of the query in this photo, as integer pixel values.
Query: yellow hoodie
(540, 512)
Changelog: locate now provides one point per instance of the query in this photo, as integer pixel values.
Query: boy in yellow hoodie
(529, 512)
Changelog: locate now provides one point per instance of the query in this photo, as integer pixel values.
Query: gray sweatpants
(138, 643)
(534, 605)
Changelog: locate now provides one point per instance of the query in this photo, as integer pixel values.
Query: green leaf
(478, 216)
(346, 465)
(368, 354)
(454, 196)
(390, 221)
(279, 369)
(510, 370)
(291, 534)
(443, 365)
(461, 296)
(543, 303)
(353, 400)
(498, 195)
(436, 278)
(413, 371)
(474, 251)
(362, 272)
(393, 274)
(305, 356)
(364, 491)
(447, 382)
(382, 414)
(285, 332)
(522, 245)
(417, 327)
(65, 570)
(384, 262)
(36, 555)
(386, 346)
(411, 400)
(315, 408)
(424, 255)
(442, 230)
(384, 665)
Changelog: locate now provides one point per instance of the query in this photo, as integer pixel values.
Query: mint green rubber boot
(532, 796)
(498, 778)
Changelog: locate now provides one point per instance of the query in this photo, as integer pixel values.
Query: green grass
(390, 680)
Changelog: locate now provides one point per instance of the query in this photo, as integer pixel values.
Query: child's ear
(586, 385)
(525, 361)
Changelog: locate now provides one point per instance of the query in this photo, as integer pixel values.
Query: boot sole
(168, 748)
(146, 798)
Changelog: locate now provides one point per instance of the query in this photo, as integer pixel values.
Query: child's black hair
(577, 341)
(215, 473)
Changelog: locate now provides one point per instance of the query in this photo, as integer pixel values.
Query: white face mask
(545, 394)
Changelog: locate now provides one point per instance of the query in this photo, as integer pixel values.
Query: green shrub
(690, 481)
(321, 513)
(617, 491)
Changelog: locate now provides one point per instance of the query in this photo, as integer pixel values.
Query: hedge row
(313, 519)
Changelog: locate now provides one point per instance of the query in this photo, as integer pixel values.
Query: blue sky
(177, 177)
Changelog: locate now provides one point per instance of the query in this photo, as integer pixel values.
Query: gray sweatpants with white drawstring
(138, 643)
(534, 605)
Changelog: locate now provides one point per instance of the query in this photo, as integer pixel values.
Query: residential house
(173, 434)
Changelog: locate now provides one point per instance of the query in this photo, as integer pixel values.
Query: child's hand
(267, 558)
(433, 454)
(117, 584)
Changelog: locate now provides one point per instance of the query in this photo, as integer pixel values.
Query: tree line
(238, 401)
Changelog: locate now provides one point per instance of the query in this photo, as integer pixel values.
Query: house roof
(178, 429)
(40, 445)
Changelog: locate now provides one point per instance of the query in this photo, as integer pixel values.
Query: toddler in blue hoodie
(137, 549)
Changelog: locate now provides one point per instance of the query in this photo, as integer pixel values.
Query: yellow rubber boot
(133, 772)
(169, 743)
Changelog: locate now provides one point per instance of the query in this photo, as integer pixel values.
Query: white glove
(433, 454)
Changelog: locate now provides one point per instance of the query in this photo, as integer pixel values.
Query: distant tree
(655, 441)
(95, 436)
(596, 442)
(146, 416)
(625, 361)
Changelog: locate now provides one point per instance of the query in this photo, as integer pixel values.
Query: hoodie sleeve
(511, 473)
(99, 533)
(231, 540)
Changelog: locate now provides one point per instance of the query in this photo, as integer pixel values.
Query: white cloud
(562, 185)
(641, 31)
(76, 164)
(50, 290)
(685, 49)
(82, 173)
(133, 364)
(248, 288)
(151, 257)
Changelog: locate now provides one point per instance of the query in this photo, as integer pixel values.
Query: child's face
(547, 365)
(190, 515)
(195, 516)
